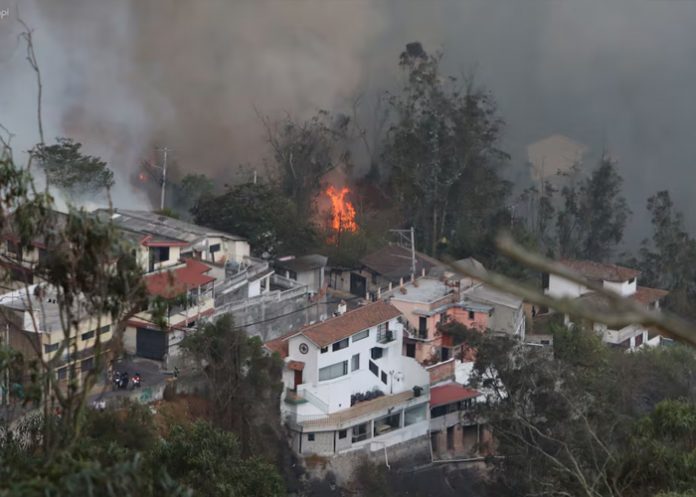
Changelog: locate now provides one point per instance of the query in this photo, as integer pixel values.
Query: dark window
(422, 327)
(374, 369)
(310, 437)
(361, 334)
(471, 315)
(104, 329)
(376, 352)
(355, 362)
(639, 340)
(342, 434)
(62, 373)
(159, 254)
(545, 281)
(444, 354)
(88, 364)
(340, 345)
(384, 377)
(292, 275)
(215, 248)
(410, 350)
(43, 256)
(52, 347)
(14, 249)
(88, 335)
(324, 349)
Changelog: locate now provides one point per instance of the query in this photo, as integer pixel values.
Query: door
(358, 285)
(298, 379)
(151, 344)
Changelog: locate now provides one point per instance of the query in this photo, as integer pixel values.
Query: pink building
(428, 302)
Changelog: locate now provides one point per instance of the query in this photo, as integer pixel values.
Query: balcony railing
(386, 336)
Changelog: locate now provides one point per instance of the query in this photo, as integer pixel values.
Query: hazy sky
(125, 75)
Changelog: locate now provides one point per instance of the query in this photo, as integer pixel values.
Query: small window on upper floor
(361, 334)
(324, 349)
(340, 345)
(471, 315)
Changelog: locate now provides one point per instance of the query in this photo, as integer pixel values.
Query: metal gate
(151, 344)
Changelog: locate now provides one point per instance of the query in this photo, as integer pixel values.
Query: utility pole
(165, 150)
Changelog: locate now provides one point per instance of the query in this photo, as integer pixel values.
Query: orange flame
(342, 210)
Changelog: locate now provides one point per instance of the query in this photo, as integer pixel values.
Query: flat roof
(425, 290)
(162, 227)
(303, 263)
(450, 393)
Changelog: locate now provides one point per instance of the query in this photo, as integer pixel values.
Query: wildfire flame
(342, 210)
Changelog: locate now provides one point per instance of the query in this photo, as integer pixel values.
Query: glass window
(415, 414)
(374, 368)
(88, 335)
(340, 345)
(361, 432)
(51, 347)
(215, 248)
(104, 329)
(387, 424)
(384, 377)
(324, 349)
(355, 362)
(342, 434)
(310, 437)
(471, 315)
(360, 335)
(88, 364)
(334, 371)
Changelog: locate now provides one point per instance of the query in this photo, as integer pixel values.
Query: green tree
(668, 259)
(442, 149)
(592, 220)
(70, 170)
(261, 213)
(245, 381)
(209, 461)
(189, 191)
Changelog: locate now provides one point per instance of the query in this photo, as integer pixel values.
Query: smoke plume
(123, 77)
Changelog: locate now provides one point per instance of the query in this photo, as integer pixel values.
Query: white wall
(561, 287)
(336, 393)
(622, 288)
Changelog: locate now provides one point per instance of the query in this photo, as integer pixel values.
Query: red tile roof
(599, 271)
(647, 296)
(296, 365)
(345, 325)
(169, 284)
(280, 344)
(452, 392)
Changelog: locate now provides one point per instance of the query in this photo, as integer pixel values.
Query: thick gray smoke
(124, 76)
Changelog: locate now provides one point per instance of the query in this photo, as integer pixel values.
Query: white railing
(314, 400)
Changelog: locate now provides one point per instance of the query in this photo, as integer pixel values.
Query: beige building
(33, 325)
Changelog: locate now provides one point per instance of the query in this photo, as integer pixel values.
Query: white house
(618, 279)
(348, 386)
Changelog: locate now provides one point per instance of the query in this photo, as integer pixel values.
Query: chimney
(342, 307)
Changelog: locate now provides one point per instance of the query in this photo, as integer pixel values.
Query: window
(215, 248)
(334, 371)
(376, 352)
(444, 354)
(88, 364)
(422, 327)
(342, 434)
(415, 414)
(355, 362)
(410, 350)
(340, 345)
(43, 256)
(310, 437)
(104, 329)
(360, 335)
(51, 347)
(14, 249)
(387, 423)
(443, 317)
(292, 274)
(471, 315)
(88, 335)
(384, 377)
(361, 432)
(374, 369)
(159, 254)
(324, 349)
(383, 328)
(62, 373)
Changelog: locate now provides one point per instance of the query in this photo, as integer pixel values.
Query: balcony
(385, 336)
(294, 398)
